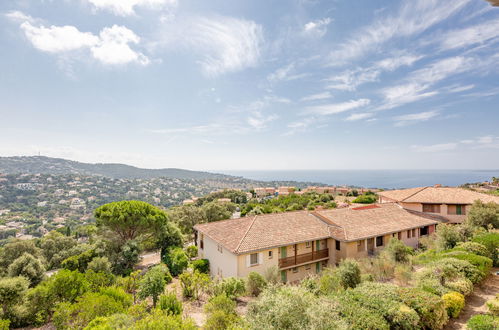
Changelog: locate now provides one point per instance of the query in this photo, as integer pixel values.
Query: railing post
(313, 243)
(296, 252)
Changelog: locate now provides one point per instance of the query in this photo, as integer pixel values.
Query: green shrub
(280, 307)
(191, 251)
(493, 306)
(365, 199)
(29, 267)
(99, 280)
(348, 273)
(460, 264)
(79, 262)
(398, 251)
(193, 284)
(221, 320)
(357, 315)
(118, 321)
(176, 260)
(430, 308)
(483, 264)
(483, 322)
(463, 286)
(454, 303)
(159, 320)
(220, 303)
(255, 283)
(170, 304)
(329, 282)
(118, 294)
(311, 284)
(201, 265)
(153, 282)
(432, 285)
(491, 241)
(272, 275)
(475, 248)
(323, 315)
(4, 324)
(100, 265)
(232, 287)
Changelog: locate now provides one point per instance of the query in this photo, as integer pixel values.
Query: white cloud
(110, 47)
(393, 63)
(55, 39)
(413, 18)
(114, 48)
(485, 139)
(349, 80)
(414, 117)
(285, 73)
(258, 121)
(329, 109)
(421, 80)
(317, 28)
(459, 88)
(359, 116)
(221, 44)
(435, 147)
(127, 7)
(316, 97)
(477, 34)
(18, 16)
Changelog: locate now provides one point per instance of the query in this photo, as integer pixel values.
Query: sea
(387, 179)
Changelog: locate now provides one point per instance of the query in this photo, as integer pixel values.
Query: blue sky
(252, 84)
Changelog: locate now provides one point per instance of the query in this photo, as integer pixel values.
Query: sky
(254, 85)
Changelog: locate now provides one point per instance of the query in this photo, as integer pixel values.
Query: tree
(100, 265)
(484, 214)
(193, 283)
(12, 291)
(169, 237)
(29, 267)
(130, 220)
(348, 273)
(153, 283)
(186, 217)
(53, 244)
(14, 250)
(398, 251)
(447, 236)
(125, 257)
(215, 211)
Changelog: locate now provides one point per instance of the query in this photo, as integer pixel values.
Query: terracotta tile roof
(265, 231)
(440, 195)
(279, 229)
(385, 219)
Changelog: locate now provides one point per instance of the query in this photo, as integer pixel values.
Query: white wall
(225, 262)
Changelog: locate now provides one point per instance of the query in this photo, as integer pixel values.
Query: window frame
(251, 259)
(382, 238)
(338, 245)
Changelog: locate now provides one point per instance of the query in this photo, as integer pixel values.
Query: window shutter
(260, 258)
(248, 262)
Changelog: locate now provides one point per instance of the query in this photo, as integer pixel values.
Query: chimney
(438, 185)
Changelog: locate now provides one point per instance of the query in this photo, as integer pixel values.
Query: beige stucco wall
(454, 218)
(243, 270)
(302, 272)
(221, 264)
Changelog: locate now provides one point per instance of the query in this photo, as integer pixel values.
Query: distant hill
(48, 165)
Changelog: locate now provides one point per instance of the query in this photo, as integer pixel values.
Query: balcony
(303, 258)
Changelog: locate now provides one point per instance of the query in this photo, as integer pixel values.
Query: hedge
(483, 322)
(430, 308)
(454, 303)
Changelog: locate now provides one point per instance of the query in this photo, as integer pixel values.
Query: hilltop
(48, 165)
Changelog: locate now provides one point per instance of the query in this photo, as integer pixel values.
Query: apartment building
(447, 202)
(301, 243)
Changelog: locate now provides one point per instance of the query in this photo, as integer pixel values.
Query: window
(399, 235)
(424, 231)
(414, 232)
(253, 259)
(456, 209)
(431, 208)
(360, 246)
(338, 245)
(295, 270)
(270, 254)
(409, 234)
(307, 244)
(220, 248)
(201, 242)
(379, 241)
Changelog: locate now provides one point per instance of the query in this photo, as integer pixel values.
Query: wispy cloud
(412, 18)
(476, 34)
(285, 73)
(317, 28)
(317, 97)
(127, 7)
(435, 147)
(259, 121)
(333, 108)
(359, 116)
(414, 118)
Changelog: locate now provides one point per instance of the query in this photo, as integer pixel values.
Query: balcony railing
(303, 258)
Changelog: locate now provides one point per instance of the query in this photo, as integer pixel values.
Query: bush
(481, 265)
(255, 283)
(365, 199)
(454, 303)
(79, 262)
(153, 283)
(324, 315)
(176, 260)
(193, 283)
(430, 308)
(271, 275)
(493, 306)
(463, 286)
(191, 251)
(447, 236)
(100, 265)
(119, 295)
(29, 267)
(201, 265)
(398, 251)
(311, 284)
(4, 324)
(483, 322)
(232, 287)
(159, 319)
(475, 248)
(348, 273)
(357, 316)
(170, 304)
(220, 303)
(280, 307)
(220, 320)
(115, 321)
(491, 241)
(329, 282)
